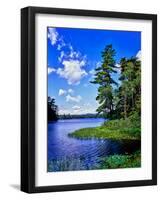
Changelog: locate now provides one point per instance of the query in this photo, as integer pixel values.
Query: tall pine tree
(105, 81)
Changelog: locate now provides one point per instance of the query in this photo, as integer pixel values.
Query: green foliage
(129, 92)
(104, 79)
(131, 122)
(122, 161)
(118, 101)
(52, 110)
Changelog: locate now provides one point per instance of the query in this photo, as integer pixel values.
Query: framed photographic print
(88, 99)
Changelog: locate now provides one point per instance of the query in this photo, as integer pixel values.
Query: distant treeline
(54, 116)
(89, 115)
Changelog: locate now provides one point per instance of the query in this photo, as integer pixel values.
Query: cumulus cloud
(72, 61)
(72, 71)
(70, 98)
(62, 92)
(51, 70)
(53, 35)
(138, 55)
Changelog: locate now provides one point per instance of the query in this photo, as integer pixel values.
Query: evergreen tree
(52, 110)
(130, 89)
(105, 81)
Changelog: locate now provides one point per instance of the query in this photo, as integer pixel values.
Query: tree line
(118, 99)
(52, 110)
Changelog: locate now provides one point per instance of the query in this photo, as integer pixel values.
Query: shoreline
(102, 133)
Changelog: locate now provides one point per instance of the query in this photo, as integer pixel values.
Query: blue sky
(73, 54)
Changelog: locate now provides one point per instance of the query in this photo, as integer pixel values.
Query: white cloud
(70, 98)
(83, 109)
(71, 91)
(72, 61)
(51, 70)
(64, 111)
(70, 54)
(92, 72)
(61, 44)
(138, 55)
(76, 107)
(118, 65)
(118, 68)
(98, 64)
(73, 54)
(62, 92)
(62, 54)
(72, 71)
(53, 35)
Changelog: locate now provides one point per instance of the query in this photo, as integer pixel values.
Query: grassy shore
(103, 133)
(115, 130)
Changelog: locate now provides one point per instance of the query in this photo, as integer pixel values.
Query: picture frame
(29, 71)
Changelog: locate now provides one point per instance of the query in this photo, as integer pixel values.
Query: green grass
(122, 161)
(105, 133)
(121, 129)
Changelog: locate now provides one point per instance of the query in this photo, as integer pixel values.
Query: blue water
(66, 153)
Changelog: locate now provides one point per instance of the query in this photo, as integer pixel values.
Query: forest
(123, 99)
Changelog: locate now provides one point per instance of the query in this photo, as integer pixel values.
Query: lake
(66, 153)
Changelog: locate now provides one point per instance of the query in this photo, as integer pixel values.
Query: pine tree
(130, 88)
(52, 110)
(105, 81)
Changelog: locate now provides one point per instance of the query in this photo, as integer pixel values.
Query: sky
(72, 56)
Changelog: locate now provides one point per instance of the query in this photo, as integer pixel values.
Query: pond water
(66, 153)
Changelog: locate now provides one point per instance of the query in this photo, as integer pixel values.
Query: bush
(122, 161)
